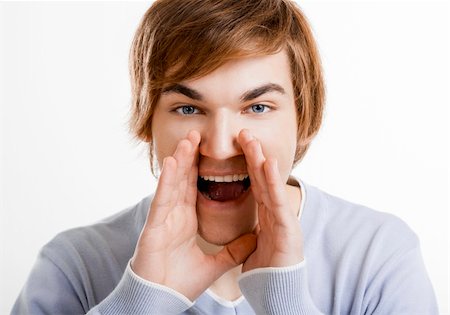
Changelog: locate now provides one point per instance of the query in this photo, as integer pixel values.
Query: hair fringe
(187, 39)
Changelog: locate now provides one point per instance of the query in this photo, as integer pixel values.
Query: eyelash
(269, 108)
(179, 109)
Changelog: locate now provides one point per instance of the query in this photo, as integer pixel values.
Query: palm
(273, 243)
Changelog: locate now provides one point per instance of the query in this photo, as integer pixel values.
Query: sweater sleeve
(134, 295)
(48, 290)
(278, 290)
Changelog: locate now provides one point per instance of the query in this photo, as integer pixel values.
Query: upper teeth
(226, 178)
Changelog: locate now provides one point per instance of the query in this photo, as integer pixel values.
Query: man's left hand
(279, 236)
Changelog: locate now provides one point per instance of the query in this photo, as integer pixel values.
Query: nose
(219, 136)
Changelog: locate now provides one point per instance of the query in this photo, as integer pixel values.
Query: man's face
(254, 93)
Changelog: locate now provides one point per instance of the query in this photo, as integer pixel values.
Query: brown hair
(185, 39)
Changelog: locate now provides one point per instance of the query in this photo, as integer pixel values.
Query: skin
(239, 119)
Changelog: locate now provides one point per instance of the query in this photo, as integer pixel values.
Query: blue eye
(259, 108)
(186, 110)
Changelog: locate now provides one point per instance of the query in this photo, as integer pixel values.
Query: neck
(226, 286)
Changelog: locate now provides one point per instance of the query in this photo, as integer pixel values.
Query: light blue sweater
(357, 261)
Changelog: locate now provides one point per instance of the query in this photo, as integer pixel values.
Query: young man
(229, 94)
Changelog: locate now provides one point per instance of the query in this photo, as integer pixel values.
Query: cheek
(166, 137)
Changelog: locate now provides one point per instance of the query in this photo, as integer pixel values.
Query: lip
(222, 205)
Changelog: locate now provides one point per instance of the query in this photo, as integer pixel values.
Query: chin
(220, 223)
(223, 236)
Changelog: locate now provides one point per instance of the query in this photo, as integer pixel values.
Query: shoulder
(345, 224)
(111, 238)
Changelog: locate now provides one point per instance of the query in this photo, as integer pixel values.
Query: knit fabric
(357, 261)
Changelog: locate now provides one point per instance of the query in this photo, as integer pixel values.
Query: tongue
(224, 191)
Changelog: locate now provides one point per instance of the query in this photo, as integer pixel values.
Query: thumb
(235, 253)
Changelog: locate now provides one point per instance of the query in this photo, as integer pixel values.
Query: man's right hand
(167, 252)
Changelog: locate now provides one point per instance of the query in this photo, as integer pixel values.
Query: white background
(67, 159)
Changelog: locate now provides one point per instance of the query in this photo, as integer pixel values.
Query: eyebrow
(247, 96)
(266, 88)
(182, 89)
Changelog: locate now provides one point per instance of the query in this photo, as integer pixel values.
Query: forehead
(238, 76)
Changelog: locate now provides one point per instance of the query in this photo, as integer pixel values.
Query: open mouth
(223, 188)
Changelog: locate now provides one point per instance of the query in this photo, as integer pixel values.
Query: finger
(255, 159)
(276, 188)
(191, 190)
(275, 185)
(194, 137)
(164, 199)
(185, 156)
(235, 253)
(257, 229)
(264, 215)
(247, 142)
